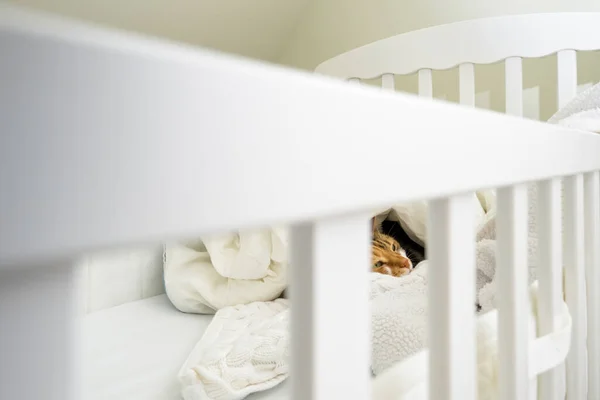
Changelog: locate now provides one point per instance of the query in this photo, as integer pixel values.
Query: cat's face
(387, 257)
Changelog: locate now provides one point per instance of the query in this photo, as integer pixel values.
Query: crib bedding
(210, 273)
(134, 351)
(398, 310)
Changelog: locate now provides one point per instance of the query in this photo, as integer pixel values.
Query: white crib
(81, 170)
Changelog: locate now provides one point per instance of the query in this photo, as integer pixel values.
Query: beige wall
(331, 27)
(253, 28)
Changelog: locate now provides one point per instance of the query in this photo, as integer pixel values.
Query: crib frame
(84, 124)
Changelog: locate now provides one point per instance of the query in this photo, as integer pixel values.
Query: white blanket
(244, 350)
(398, 311)
(407, 380)
(393, 318)
(211, 273)
(583, 112)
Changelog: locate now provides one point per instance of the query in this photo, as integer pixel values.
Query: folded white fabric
(205, 275)
(247, 254)
(244, 350)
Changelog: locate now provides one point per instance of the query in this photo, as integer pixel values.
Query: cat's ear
(373, 225)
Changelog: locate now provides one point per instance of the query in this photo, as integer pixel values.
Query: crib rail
(131, 136)
(447, 46)
(436, 48)
(110, 140)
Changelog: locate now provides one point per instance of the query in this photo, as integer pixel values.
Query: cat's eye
(378, 264)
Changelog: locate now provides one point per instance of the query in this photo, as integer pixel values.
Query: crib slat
(513, 304)
(38, 311)
(514, 86)
(387, 81)
(575, 284)
(550, 275)
(592, 272)
(425, 83)
(567, 76)
(330, 320)
(467, 84)
(451, 254)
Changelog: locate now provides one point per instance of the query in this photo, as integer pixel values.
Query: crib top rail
(110, 139)
(477, 41)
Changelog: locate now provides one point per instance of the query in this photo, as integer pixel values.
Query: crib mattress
(134, 351)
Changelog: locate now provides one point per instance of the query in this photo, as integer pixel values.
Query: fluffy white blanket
(400, 309)
(583, 112)
(205, 275)
(407, 380)
(222, 364)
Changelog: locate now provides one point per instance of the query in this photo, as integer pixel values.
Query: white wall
(253, 28)
(331, 27)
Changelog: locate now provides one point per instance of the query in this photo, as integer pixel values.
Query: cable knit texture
(244, 350)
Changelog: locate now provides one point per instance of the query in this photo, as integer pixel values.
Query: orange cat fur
(387, 256)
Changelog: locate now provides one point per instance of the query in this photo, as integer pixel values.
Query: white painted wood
(514, 86)
(425, 83)
(466, 75)
(513, 304)
(83, 283)
(331, 333)
(144, 195)
(446, 46)
(567, 76)
(451, 330)
(387, 81)
(592, 271)
(550, 255)
(573, 241)
(39, 345)
(531, 103)
(119, 276)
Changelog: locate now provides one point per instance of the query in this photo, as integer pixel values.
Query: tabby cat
(388, 255)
